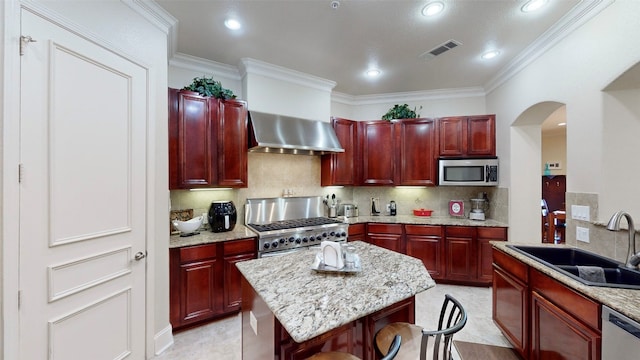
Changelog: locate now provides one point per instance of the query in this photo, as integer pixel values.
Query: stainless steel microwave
(468, 172)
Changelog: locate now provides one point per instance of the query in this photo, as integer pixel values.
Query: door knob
(140, 255)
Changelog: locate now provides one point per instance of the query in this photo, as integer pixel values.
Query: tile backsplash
(271, 175)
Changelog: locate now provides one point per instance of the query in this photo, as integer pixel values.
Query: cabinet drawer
(493, 233)
(423, 230)
(356, 229)
(197, 253)
(384, 228)
(460, 231)
(511, 265)
(239, 246)
(570, 301)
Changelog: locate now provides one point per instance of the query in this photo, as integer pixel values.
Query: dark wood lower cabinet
(204, 281)
(356, 232)
(426, 242)
(541, 317)
(388, 236)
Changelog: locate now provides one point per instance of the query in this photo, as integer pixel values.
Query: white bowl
(188, 226)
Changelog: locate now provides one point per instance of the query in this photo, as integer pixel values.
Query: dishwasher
(620, 336)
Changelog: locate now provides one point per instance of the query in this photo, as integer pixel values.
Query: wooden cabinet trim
(569, 300)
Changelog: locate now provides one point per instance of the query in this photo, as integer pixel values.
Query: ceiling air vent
(438, 50)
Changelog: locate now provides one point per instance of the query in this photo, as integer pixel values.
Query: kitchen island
(290, 311)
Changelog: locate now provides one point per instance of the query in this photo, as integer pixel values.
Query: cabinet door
(356, 232)
(460, 253)
(340, 168)
(416, 141)
(199, 290)
(558, 335)
(378, 152)
(481, 134)
(452, 134)
(234, 252)
(387, 241)
(425, 242)
(232, 276)
(232, 142)
(485, 253)
(510, 308)
(194, 143)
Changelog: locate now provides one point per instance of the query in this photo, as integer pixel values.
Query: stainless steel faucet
(633, 257)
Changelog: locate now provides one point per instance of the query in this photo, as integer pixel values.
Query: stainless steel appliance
(468, 172)
(222, 216)
(348, 210)
(285, 225)
(620, 335)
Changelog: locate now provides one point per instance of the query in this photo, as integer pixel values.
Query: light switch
(580, 212)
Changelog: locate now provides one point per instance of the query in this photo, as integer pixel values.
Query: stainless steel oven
(286, 225)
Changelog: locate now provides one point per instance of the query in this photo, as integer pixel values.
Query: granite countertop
(243, 232)
(209, 237)
(624, 301)
(309, 303)
(423, 220)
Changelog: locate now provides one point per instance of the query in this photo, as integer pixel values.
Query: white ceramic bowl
(188, 226)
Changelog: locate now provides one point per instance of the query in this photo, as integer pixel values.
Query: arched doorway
(526, 159)
(553, 180)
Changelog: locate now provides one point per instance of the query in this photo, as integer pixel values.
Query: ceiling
(340, 44)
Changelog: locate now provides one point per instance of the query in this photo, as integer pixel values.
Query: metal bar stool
(335, 355)
(419, 343)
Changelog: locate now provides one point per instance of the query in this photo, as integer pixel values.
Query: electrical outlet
(582, 234)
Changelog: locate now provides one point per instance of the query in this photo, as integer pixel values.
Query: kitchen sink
(567, 260)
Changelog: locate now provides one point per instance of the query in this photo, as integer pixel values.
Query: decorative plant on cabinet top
(401, 112)
(208, 87)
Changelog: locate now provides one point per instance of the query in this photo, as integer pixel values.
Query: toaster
(348, 210)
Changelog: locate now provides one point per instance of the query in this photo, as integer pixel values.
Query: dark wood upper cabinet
(377, 143)
(232, 143)
(340, 168)
(207, 141)
(467, 136)
(416, 143)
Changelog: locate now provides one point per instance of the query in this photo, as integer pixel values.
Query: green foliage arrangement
(208, 87)
(401, 112)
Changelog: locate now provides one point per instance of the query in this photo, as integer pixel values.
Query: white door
(82, 198)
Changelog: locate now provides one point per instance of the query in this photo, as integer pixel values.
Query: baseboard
(163, 340)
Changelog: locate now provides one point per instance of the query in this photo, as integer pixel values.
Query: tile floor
(221, 339)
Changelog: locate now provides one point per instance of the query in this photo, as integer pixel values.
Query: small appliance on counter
(375, 206)
(478, 207)
(348, 210)
(222, 216)
(393, 210)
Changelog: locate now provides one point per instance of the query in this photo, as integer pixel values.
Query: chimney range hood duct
(269, 133)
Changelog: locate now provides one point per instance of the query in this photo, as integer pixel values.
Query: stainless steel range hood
(269, 133)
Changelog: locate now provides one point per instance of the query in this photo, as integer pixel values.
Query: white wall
(574, 72)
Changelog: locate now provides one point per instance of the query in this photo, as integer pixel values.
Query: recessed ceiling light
(433, 8)
(373, 72)
(562, 124)
(533, 5)
(232, 24)
(490, 54)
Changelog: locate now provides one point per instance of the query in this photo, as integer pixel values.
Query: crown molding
(575, 18)
(407, 96)
(159, 17)
(193, 63)
(257, 67)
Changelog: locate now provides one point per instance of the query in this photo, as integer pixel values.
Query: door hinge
(24, 40)
(20, 167)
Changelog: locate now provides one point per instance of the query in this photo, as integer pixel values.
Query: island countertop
(309, 303)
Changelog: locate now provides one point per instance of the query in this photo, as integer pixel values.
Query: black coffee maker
(222, 216)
